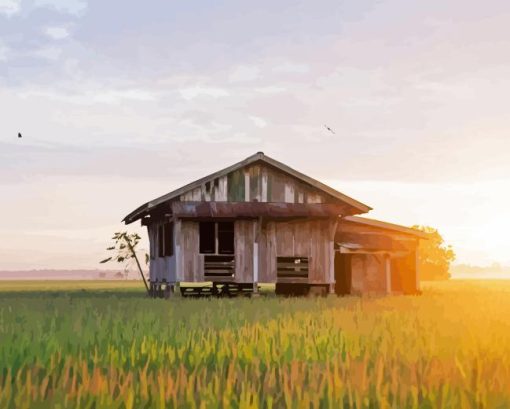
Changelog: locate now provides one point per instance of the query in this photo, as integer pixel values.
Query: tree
(125, 251)
(434, 257)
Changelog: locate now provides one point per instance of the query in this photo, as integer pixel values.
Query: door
(343, 275)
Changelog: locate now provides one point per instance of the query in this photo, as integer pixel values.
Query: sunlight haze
(121, 102)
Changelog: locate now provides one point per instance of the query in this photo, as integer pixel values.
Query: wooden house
(260, 221)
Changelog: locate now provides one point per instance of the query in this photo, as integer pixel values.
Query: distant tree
(124, 249)
(434, 256)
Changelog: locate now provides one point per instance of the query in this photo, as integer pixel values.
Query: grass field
(97, 345)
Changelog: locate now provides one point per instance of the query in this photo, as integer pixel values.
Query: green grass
(104, 344)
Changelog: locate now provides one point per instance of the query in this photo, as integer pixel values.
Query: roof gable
(233, 184)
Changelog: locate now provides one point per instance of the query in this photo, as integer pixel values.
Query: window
(166, 240)
(217, 238)
(226, 238)
(207, 238)
(169, 239)
(161, 241)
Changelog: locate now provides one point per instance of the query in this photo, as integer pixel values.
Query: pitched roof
(258, 157)
(385, 226)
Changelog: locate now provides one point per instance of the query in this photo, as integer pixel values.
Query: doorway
(343, 273)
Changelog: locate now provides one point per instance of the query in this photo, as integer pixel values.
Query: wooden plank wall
(160, 268)
(244, 236)
(256, 183)
(368, 272)
(310, 238)
(190, 264)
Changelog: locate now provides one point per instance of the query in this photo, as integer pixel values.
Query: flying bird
(19, 135)
(329, 129)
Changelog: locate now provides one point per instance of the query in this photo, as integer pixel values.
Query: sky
(122, 101)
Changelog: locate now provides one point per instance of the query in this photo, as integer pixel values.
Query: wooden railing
(219, 267)
(292, 267)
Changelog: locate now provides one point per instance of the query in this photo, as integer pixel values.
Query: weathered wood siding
(310, 238)
(256, 183)
(368, 274)
(244, 240)
(190, 263)
(161, 269)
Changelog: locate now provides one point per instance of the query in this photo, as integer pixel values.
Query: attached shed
(376, 257)
(257, 221)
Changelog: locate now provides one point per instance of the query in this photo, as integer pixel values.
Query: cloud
(48, 53)
(198, 91)
(259, 122)
(73, 7)
(56, 33)
(271, 89)
(4, 52)
(292, 68)
(244, 73)
(10, 7)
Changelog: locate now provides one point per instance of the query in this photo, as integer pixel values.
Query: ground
(104, 344)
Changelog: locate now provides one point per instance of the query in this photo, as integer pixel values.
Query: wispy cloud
(57, 33)
(259, 122)
(244, 73)
(48, 53)
(292, 68)
(73, 7)
(4, 52)
(10, 7)
(199, 91)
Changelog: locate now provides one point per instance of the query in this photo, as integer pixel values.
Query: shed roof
(258, 157)
(385, 226)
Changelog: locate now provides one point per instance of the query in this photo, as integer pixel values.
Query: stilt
(255, 292)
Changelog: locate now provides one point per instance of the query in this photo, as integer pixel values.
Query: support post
(387, 269)
(332, 234)
(257, 227)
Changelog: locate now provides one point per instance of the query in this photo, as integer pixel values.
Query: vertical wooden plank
(244, 238)
(284, 239)
(331, 267)
(357, 273)
(220, 189)
(289, 192)
(236, 186)
(387, 264)
(197, 194)
(255, 183)
(302, 239)
(277, 191)
(320, 252)
(247, 186)
(255, 262)
(207, 191)
(264, 186)
(262, 247)
(179, 264)
(271, 253)
(192, 270)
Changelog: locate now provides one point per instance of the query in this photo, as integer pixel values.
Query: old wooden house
(260, 221)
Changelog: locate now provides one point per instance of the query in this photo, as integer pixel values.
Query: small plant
(124, 248)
